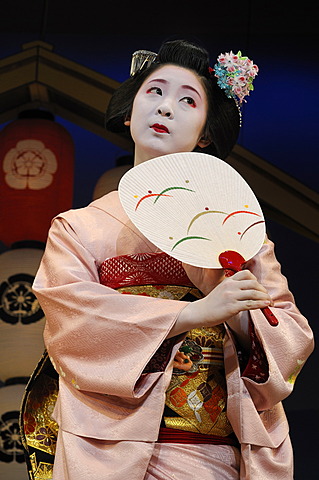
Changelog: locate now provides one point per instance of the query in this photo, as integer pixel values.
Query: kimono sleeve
(287, 345)
(98, 340)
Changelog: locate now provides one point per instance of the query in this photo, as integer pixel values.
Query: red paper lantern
(36, 177)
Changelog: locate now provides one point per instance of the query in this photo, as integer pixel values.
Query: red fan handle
(233, 262)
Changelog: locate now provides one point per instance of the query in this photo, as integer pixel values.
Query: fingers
(251, 285)
(243, 275)
(248, 291)
(252, 299)
(255, 304)
(248, 281)
(238, 293)
(252, 294)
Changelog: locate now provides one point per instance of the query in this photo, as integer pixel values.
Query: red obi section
(143, 269)
(171, 435)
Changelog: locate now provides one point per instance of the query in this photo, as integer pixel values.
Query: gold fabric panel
(40, 430)
(199, 397)
(172, 292)
(41, 471)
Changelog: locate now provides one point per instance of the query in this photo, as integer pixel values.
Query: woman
(115, 330)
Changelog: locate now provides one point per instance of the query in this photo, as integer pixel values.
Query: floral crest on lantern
(235, 75)
(29, 165)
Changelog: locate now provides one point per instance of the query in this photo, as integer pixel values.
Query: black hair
(223, 118)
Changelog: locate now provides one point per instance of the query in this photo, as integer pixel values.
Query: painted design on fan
(193, 237)
(162, 194)
(173, 188)
(201, 214)
(248, 228)
(228, 215)
(148, 196)
(239, 211)
(207, 210)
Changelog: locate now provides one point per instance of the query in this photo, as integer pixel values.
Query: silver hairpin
(141, 58)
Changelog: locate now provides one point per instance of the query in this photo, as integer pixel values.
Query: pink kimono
(100, 341)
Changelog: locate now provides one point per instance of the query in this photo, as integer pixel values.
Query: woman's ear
(127, 122)
(203, 142)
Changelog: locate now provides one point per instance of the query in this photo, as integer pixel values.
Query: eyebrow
(189, 87)
(186, 87)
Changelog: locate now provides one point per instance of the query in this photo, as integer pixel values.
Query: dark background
(280, 120)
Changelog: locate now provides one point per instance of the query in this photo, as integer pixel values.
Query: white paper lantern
(21, 317)
(12, 461)
(109, 181)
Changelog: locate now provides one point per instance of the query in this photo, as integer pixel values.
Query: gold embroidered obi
(195, 401)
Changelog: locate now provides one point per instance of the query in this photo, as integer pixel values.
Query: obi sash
(195, 400)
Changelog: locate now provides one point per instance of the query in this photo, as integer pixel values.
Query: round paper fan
(194, 207)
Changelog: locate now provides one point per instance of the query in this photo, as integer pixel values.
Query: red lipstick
(160, 128)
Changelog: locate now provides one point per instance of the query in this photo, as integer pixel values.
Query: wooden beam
(284, 198)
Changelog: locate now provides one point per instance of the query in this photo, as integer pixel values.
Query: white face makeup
(169, 113)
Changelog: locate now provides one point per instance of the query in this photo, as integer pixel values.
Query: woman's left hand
(205, 279)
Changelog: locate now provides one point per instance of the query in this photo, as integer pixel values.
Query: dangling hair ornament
(235, 75)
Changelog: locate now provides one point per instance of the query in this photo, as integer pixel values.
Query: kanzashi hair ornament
(235, 74)
(141, 59)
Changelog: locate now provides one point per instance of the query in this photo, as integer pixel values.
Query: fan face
(193, 207)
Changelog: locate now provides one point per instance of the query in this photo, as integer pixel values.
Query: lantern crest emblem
(29, 165)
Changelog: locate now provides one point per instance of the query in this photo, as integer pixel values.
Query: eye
(156, 90)
(189, 100)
